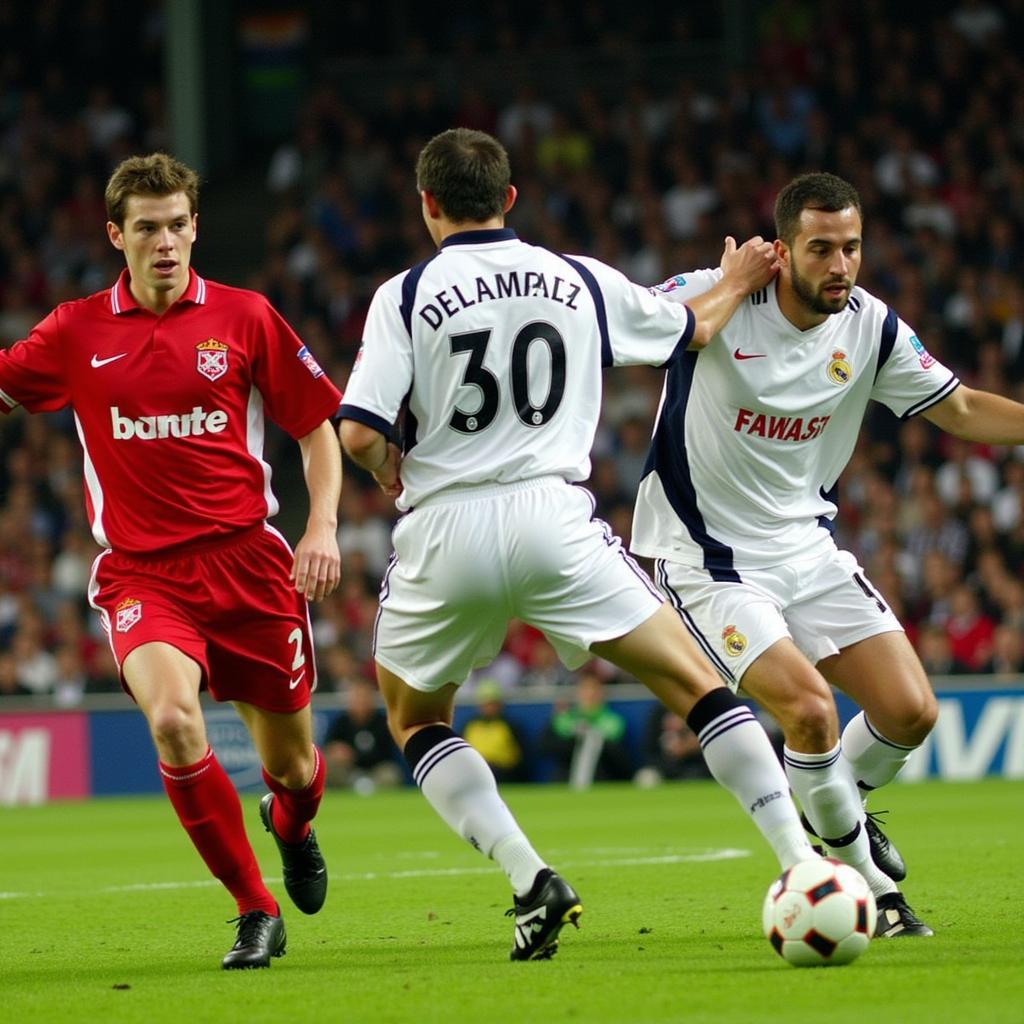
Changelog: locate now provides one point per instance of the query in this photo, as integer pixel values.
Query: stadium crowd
(925, 115)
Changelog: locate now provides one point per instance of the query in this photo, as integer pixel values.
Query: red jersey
(170, 408)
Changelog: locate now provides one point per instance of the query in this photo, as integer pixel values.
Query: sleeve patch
(678, 281)
(307, 360)
(924, 356)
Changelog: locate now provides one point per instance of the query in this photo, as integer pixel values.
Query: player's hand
(316, 570)
(751, 265)
(388, 476)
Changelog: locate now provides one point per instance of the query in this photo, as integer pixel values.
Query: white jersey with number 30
(498, 347)
(754, 430)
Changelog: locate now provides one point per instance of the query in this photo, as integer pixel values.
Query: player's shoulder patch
(674, 282)
(309, 361)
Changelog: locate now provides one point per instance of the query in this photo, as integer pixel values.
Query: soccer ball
(819, 913)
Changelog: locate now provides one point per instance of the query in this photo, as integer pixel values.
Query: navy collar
(479, 236)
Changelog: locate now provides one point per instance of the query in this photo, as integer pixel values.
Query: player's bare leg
(460, 786)
(797, 695)
(165, 684)
(898, 709)
(662, 655)
(294, 771)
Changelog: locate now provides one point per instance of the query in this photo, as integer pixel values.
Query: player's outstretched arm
(979, 416)
(370, 449)
(316, 569)
(744, 269)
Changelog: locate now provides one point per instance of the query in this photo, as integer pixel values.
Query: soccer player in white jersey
(497, 347)
(737, 507)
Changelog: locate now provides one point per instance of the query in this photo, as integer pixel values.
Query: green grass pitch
(107, 914)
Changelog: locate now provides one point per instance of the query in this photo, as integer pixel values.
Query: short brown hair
(467, 172)
(155, 175)
(817, 190)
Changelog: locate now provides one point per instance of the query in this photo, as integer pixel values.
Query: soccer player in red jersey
(169, 377)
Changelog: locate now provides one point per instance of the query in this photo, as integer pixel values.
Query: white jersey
(754, 430)
(498, 347)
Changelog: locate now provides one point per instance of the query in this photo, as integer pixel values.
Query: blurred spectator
(10, 684)
(498, 740)
(671, 750)
(358, 750)
(969, 630)
(933, 648)
(586, 739)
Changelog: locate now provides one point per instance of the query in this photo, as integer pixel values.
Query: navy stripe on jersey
(364, 416)
(889, 328)
(602, 314)
(409, 286)
(759, 297)
(934, 398)
(832, 495)
(661, 572)
(854, 304)
(668, 457)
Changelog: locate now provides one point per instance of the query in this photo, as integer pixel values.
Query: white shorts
(468, 560)
(822, 604)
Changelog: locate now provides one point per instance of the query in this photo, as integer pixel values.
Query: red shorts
(230, 606)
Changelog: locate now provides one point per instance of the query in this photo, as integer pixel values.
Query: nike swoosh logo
(96, 362)
(753, 355)
(298, 679)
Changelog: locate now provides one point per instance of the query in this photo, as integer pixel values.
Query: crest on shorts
(839, 370)
(127, 613)
(735, 642)
(212, 358)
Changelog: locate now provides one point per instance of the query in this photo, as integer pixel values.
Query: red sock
(294, 809)
(210, 812)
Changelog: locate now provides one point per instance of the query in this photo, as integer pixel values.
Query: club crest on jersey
(671, 284)
(924, 356)
(212, 358)
(127, 613)
(307, 360)
(735, 642)
(839, 370)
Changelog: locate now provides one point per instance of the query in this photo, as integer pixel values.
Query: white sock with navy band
(460, 786)
(739, 755)
(873, 759)
(827, 793)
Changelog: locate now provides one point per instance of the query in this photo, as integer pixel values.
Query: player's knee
(916, 718)
(810, 722)
(175, 726)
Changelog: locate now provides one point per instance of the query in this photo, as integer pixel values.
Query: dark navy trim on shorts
(611, 539)
(661, 572)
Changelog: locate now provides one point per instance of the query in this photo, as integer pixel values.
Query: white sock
(740, 757)
(460, 786)
(873, 760)
(829, 797)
